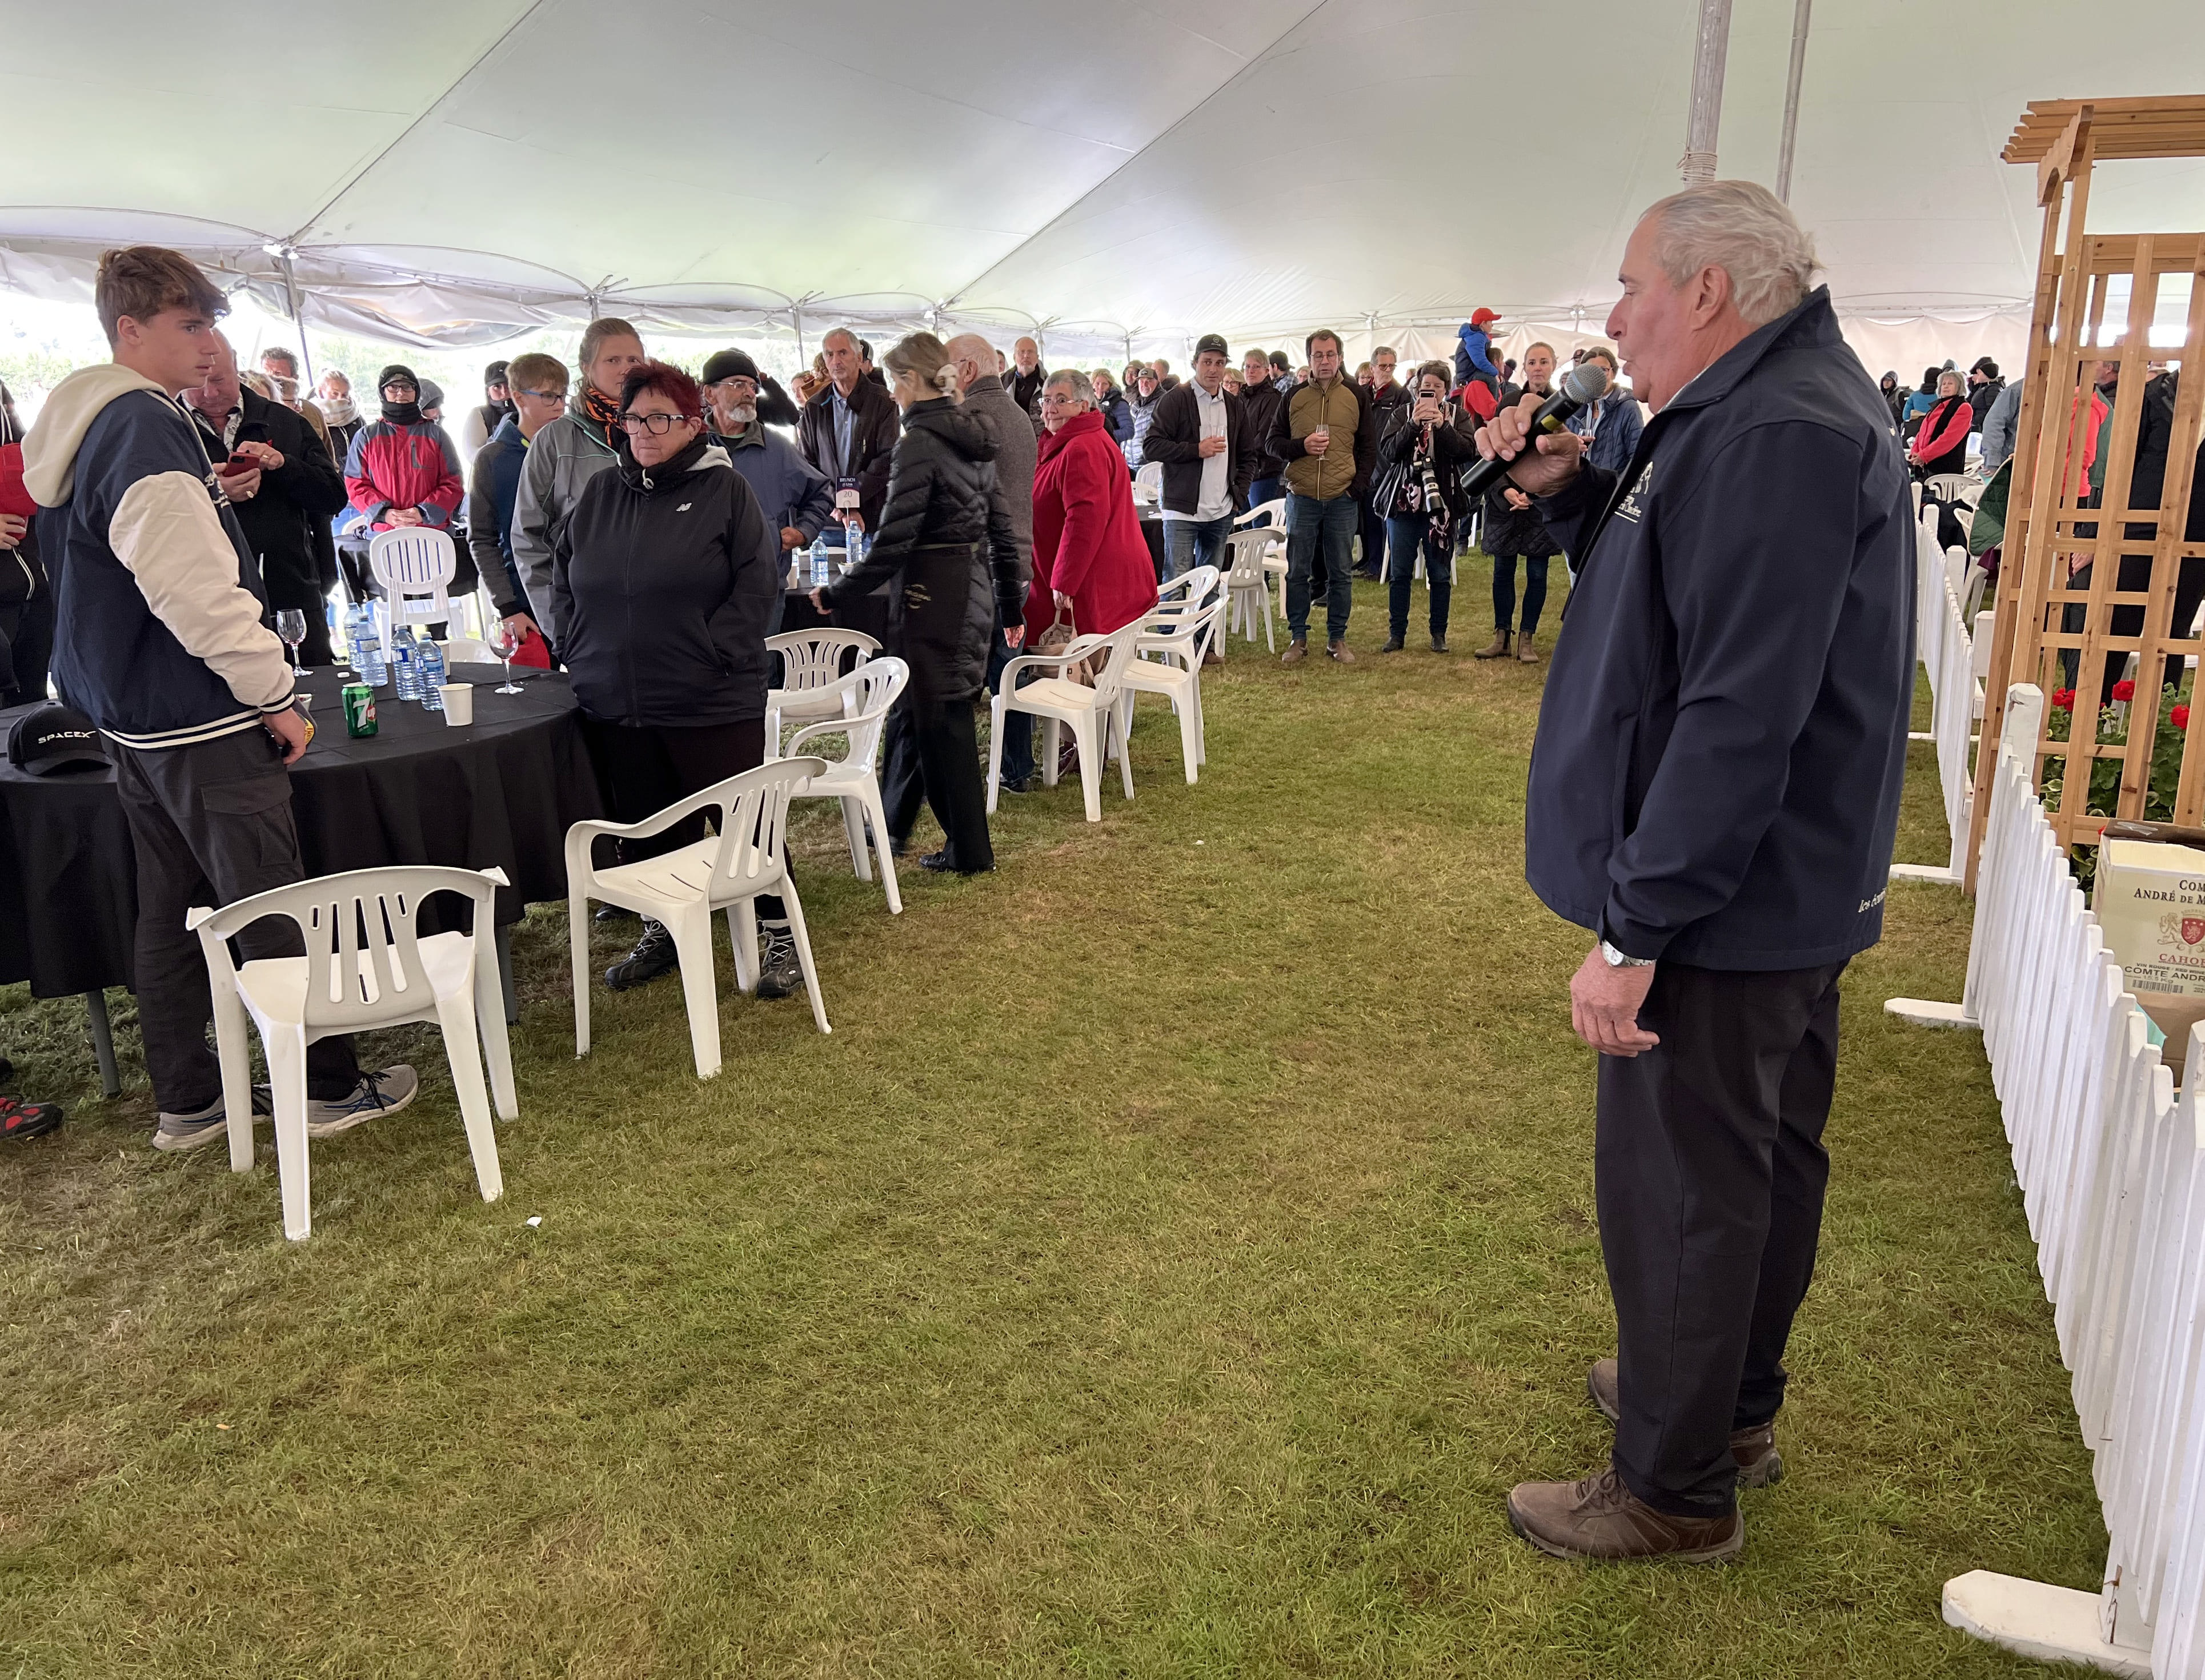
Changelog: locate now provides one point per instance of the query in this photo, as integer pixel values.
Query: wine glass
(291, 626)
(503, 640)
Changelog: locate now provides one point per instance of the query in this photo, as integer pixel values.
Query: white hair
(1081, 387)
(1744, 229)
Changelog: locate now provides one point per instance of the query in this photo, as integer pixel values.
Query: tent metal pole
(1783, 152)
(796, 311)
(305, 355)
(1698, 163)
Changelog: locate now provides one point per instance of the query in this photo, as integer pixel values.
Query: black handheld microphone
(1581, 387)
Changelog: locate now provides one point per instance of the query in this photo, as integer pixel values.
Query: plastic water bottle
(432, 674)
(819, 562)
(405, 663)
(367, 651)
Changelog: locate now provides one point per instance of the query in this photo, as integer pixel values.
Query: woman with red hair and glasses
(661, 580)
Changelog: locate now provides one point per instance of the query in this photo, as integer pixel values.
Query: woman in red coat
(1088, 551)
(1941, 445)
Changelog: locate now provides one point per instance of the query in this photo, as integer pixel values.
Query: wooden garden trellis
(2077, 277)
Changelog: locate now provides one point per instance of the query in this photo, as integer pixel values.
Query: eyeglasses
(656, 424)
(543, 396)
(735, 385)
(1061, 398)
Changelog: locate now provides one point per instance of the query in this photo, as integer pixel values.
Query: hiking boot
(1340, 651)
(174, 1132)
(614, 912)
(1439, 641)
(1759, 1464)
(1394, 644)
(1296, 652)
(1600, 1518)
(383, 1092)
(1496, 649)
(939, 862)
(654, 955)
(1525, 651)
(28, 1120)
(779, 972)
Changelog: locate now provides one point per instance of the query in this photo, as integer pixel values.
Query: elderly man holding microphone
(1714, 794)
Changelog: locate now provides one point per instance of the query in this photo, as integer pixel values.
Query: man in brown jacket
(1322, 435)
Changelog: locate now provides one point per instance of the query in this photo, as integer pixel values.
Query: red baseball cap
(1480, 316)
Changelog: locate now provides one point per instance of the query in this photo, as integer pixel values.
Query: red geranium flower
(2125, 689)
(2180, 717)
(2063, 700)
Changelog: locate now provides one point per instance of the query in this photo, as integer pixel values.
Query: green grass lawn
(1181, 1244)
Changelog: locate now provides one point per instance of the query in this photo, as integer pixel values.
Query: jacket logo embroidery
(1630, 508)
(684, 508)
(1867, 905)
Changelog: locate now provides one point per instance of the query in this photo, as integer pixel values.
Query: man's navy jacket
(1716, 776)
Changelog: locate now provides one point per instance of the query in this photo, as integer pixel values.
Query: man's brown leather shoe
(1496, 649)
(1759, 1464)
(1600, 1518)
(1296, 652)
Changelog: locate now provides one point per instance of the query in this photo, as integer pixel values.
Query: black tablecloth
(503, 791)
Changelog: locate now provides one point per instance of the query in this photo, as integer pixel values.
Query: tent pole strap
(1784, 154)
(1698, 163)
(305, 355)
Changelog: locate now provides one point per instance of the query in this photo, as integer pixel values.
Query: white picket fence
(1957, 660)
(2111, 1168)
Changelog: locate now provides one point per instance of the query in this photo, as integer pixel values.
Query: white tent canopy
(1117, 174)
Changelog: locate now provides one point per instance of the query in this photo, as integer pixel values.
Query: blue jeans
(1333, 524)
(1402, 536)
(1260, 491)
(1504, 591)
(1191, 542)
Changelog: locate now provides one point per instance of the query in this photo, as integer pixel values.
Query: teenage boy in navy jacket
(162, 639)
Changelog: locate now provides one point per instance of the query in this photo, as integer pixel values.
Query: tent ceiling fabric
(455, 172)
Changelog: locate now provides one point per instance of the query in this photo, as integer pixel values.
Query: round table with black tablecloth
(502, 792)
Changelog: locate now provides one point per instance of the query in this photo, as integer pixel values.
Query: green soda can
(359, 710)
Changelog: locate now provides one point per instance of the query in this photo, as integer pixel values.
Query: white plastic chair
(1149, 482)
(862, 700)
(811, 665)
(467, 650)
(1248, 583)
(682, 887)
(1273, 512)
(415, 567)
(1169, 663)
(348, 983)
(1091, 712)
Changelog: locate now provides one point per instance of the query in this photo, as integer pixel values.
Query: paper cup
(303, 701)
(459, 699)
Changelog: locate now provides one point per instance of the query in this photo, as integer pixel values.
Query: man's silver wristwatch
(1615, 959)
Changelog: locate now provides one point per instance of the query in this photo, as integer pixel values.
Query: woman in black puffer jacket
(940, 540)
(661, 577)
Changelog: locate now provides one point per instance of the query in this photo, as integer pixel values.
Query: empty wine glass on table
(291, 626)
(503, 640)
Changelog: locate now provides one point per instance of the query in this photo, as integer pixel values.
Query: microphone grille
(1587, 381)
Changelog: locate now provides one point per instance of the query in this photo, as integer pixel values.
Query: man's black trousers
(1708, 1169)
(211, 824)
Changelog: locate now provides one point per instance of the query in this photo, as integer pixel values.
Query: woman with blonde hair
(941, 538)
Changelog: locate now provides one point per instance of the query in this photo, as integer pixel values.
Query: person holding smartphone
(282, 485)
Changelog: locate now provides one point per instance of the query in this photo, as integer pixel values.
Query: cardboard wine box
(2150, 901)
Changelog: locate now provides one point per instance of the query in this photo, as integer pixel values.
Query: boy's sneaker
(28, 1120)
(175, 1132)
(780, 974)
(383, 1092)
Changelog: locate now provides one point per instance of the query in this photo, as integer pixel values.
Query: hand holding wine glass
(291, 626)
(503, 640)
